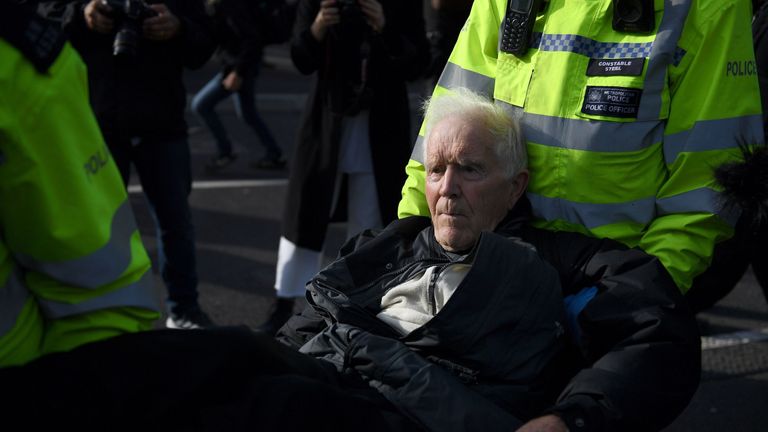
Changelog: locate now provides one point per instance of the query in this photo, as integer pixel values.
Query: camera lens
(629, 10)
(126, 41)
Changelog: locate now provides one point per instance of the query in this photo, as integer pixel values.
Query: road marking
(225, 184)
(734, 339)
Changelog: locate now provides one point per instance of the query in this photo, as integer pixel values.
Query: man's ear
(519, 184)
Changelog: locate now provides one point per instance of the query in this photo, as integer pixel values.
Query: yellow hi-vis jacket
(72, 266)
(623, 129)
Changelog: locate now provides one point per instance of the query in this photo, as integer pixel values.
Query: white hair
(509, 143)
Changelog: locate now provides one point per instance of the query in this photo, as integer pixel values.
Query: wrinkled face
(466, 188)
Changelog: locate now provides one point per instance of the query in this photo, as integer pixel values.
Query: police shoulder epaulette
(39, 40)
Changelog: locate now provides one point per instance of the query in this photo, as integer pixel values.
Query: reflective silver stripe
(418, 150)
(662, 55)
(591, 48)
(592, 215)
(587, 135)
(702, 200)
(455, 76)
(714, 135)
(100, 267)
(138, 294)
(591, 135)
(13, 297)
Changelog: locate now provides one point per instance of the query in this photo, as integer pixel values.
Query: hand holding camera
(98, 17)
(131, 20)
(344, 11)
(327, 16)
(373, 13)
(163, 26)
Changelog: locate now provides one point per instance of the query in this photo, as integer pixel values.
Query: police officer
(135, 64)
(627, 105)
(72, 266)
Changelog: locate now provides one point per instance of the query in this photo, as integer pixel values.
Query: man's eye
(471, 171)
(435, 173)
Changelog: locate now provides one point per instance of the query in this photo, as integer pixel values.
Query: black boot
(282, 310)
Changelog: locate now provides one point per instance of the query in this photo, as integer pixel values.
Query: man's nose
(450, 185)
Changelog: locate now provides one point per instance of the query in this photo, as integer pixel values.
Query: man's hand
(326, 17)
(547, 423)
(374, 14)
(162, 27)
(97, 17)
(232, 81)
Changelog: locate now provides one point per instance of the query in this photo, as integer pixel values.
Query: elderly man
(455, 319)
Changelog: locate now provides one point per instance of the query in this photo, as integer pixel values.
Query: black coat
(638, 360)
(145, 97)
(398, 54)
(500, 328)
(238, 35)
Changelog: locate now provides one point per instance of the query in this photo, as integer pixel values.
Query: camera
(349, 11)
(129, 16)
(633, 16)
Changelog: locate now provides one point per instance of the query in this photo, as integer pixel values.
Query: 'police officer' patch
(612, 101)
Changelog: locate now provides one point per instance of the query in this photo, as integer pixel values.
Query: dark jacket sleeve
(306, 52)
(196, 43)
(404, 42)
(421, 390)
(304, 326)
(242, 22)
(639, 338)
(68, 13)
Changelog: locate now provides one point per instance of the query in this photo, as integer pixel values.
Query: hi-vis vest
(623, 129)
(72, 266)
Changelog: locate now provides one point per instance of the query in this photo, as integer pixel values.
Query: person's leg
(295, 267)
(245, 105)
(164, 169)
(204, 105)
(363, 203)
(120, 150)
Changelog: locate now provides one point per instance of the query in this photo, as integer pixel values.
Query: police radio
(518, 26)
(633, 16)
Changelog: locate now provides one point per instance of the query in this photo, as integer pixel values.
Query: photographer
(356, 124)
(135, 54)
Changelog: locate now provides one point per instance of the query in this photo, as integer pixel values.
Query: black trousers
(217, 379)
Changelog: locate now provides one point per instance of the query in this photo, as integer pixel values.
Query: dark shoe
(269, 163)
(220, 162)
(281, 312)
(187, 317)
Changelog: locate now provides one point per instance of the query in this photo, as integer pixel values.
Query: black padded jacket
(635, 366)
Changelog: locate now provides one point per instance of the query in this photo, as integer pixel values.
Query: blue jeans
(163, 166)
(204, 105)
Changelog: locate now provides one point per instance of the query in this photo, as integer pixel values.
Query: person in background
(444, 20)
(135, 63)
(355, 126)
(240, 51)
